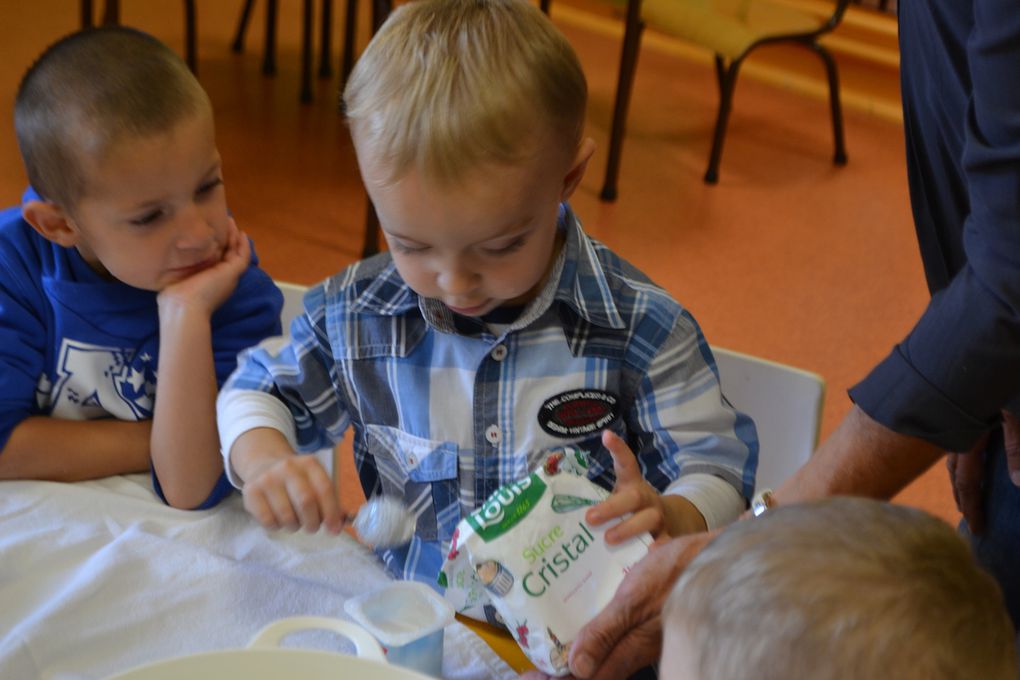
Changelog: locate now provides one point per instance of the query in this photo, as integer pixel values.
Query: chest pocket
(423, 473)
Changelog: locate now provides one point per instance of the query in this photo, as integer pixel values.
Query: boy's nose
(456, 279)
(194, 230)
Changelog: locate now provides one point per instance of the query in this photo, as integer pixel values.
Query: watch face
(762, 502)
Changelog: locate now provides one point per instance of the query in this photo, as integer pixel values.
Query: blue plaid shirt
(445, 410)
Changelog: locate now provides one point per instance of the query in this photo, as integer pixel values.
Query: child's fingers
(618, 504)
(270, 506)
(328, 504)
(257, 506)
(243, 248)
(648, 521)
(278, 498)
(305, 503)
(624, 462)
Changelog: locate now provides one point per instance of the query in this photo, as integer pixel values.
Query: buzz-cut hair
(446, 86)
(88, 92)
(842, 588)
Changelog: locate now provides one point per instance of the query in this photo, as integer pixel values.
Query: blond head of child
(836, 589)
(467, 119)
(118, 140)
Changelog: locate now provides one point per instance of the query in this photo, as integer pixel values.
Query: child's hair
(448, 85)
(842, 588)
(88, 92)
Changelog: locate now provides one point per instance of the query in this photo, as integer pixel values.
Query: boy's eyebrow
(510, 231)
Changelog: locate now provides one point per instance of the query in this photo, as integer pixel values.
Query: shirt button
(498, 352)
(412, 460)
(493, 435)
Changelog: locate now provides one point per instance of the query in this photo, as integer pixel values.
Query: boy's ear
(577, 167)
(52, 223)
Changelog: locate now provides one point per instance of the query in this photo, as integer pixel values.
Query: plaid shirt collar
(577, 279)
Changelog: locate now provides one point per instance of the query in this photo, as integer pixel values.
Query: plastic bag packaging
(528, 553)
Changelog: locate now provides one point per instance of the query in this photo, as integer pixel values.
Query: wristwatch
(763, 501)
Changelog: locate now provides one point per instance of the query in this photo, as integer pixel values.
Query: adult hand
(1011, 434)
(626, 636)
(966, 472)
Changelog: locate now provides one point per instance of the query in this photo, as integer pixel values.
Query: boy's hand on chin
(211, 287)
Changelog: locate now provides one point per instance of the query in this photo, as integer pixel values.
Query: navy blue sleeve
(960, 365)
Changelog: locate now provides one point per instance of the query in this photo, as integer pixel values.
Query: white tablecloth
(98, 577)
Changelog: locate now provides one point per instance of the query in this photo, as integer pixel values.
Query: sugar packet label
(529, 553)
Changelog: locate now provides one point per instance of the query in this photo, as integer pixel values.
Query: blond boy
(494, 329)
(839, 589)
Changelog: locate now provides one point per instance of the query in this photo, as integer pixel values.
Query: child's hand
(632, 495)
(293, 492)
(210, 288)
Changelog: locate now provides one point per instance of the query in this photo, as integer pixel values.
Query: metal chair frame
(726, 76)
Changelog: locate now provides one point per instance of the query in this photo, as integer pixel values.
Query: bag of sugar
(529, 552)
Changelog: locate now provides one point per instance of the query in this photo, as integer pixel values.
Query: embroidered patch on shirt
(577, 412)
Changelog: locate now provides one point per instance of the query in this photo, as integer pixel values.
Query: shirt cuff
(897, 396)
(715, 498)
(238, 411)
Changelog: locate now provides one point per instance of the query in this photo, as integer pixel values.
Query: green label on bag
(506, 507)
(568, 503)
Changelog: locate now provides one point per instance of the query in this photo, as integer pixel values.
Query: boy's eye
(507, 249)
(405, 249)
(148, 218)
(209, 186)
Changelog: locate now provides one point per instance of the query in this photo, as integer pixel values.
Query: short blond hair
(448, 85)
(842, 588)
(90, 91)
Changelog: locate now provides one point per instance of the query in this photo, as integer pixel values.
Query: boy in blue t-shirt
(122, 264)
(494, 329)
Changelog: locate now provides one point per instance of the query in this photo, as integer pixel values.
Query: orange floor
(789, 257)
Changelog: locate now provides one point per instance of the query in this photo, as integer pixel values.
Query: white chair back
(785, 404)
(293, 294)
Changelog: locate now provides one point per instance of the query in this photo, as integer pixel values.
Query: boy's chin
(477, 310)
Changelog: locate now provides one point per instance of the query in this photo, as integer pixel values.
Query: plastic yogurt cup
(407, 618)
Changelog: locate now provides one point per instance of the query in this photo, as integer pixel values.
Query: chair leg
(720, 72)
(544, 6)
(625, 82)
(725, 103)
(380, 10)
(326, 36)
(86, 13)
(242, 27)
(839, 157)
(111, 13)
(269, 48)
(190, 37)
(306, 52)
(371, 245)
(347, 56)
